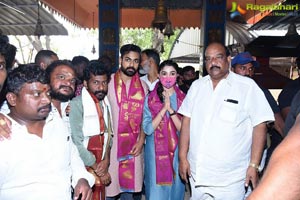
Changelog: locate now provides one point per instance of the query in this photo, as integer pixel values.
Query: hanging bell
(168, 29)
(38, 28)
(161, 16)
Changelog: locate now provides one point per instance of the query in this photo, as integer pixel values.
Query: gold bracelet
(254, 166)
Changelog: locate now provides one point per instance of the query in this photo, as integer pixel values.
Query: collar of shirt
(229, 78)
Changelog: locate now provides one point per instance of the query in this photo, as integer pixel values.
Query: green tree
(144, 39)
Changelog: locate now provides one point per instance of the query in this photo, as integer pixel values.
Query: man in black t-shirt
(287, 94)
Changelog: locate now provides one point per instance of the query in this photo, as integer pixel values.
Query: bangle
(173, 113)
(254, 166)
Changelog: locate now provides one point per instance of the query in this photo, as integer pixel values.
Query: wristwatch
(173, 113)
(254, 166)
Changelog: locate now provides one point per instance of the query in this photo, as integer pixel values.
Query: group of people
(98, 130)
(120, 133)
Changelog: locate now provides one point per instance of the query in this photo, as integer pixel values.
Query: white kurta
(40, 168)
(114, 188)
(221, 126)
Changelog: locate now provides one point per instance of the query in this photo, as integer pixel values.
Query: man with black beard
(62, 82)
(126, 94)
(91, 124)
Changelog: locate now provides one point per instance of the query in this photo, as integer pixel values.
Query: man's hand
(5, 127)
(84, 189)
(137, 148)
(251, 175)
(102, 168)
(105, 179)
(184, 170)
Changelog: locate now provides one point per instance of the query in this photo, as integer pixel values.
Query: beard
(129, 71)
(55, 94)
(100, 94)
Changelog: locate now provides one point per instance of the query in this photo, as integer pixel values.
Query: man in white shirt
(149, 66)
(223, 131)
(62, 82)
(39, 161)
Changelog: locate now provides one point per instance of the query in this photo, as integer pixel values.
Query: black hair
(42, 54)
(58, 63)
(152, 53)
(187, 69)
(77, 60)
(160, 88)
(96, 68)
(129, 47)
(3, 50)
(227, 51)
(27, 73)
(107, 61)
(168, 63)
(9, 52)
(4, 39)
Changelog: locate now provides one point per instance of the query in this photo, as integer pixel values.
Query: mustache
(132, 68)
(48, 106)
(100, 92)
(64, 86)
(214, 66)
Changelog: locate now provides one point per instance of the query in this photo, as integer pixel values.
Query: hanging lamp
(38, 27)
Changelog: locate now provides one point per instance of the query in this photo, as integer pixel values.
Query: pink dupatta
(130, 119)
(165, 138)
